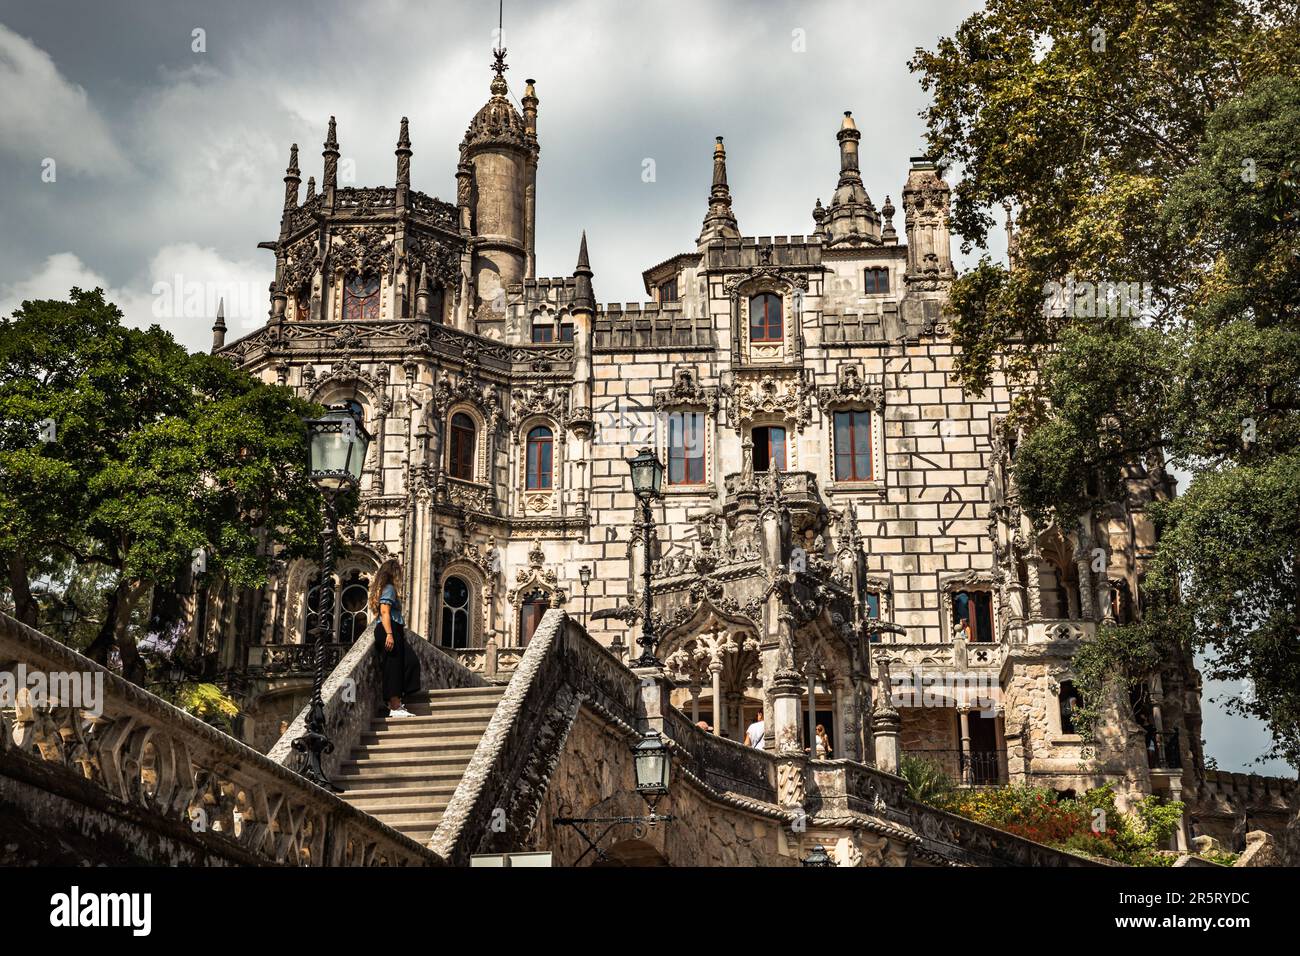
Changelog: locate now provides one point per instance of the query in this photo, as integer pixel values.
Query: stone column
(715, 669)
(695, 701)
(1034, 585)
(1000, 728)
(967, 771)
(791, 762)
(811, 742)
(885, 721)
(838, 742)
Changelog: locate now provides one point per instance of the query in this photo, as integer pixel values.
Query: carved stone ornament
(300, 264)
(852, 388)
(539, 398)
(686, 391)
(441, 260)
(785, 396)
(537, 576)
(364, 251)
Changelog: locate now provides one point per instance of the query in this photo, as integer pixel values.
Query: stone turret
(584, 314)
(501, 157)
(330, 180)
(851, 219)
(291, 180)
(925, 212)
(719, 221)
(219, 327)
(403, 153)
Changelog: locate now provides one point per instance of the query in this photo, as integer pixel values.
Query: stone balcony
(1053, 630)
(802, 496)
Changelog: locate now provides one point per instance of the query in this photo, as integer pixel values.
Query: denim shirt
(389, 597)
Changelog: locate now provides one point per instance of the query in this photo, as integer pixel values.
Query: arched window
(530, 614)
(361, 297)
(455, 613)
(765, 323)
(353, 608)
(853, 446)
(1069, 702)
(539, 458)
(543, 332)
(460, 463)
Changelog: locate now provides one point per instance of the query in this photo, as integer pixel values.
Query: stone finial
(422, 294)
(888, 234)
(331, 154)
(403, 153)
(583, 296)
(719, 221)
(219, 326)
(291, 179)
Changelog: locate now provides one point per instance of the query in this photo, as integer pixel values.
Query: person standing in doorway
(754, 735)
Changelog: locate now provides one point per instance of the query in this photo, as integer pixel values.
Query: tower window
(852, 446)
(566, 331)
(539, 455)
(876, 279)
(461, 458)
(361, 298)
(686, 448)
(455, 613)
(668, 291)
(769, 448)
(1069, 702)
(972, 616)
(765, 323)
(543, 333)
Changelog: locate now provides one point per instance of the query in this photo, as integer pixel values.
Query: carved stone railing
(353, 691)
(1046, 631)
(104, 759)
(277, 660)
(492, 662)
(725, 765)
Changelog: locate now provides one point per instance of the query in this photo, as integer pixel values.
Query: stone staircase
(404, 770)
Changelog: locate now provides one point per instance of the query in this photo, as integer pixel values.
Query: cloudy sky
(143, 157)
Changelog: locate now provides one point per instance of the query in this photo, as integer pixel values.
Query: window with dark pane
(461, 458)
(686, 448)
(566, 332)
(769, 448)
(765, 324)
(853, 446)
(530, 614)
(876, 279)
(538, 454)
(455, 613)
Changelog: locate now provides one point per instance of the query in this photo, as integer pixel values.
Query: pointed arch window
(455, 613)
(361, 298)
(461, 452)
(351, 608)
(540, 452)
(765, 320)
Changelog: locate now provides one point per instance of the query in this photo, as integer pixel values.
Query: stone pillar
(1104, 588)
(1000, 728)
(838, 743)
(885, 722)
(967, 771)
(1180, 834)
(715, 669)
(695, 701)
(811, 742)
(1034, 585)
(791, 762)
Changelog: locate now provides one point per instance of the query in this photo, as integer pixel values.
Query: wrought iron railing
(979, 768)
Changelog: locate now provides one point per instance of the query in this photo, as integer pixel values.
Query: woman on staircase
(398, 664)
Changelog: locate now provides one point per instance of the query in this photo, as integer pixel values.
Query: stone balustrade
(1049, 630)
(111, 768)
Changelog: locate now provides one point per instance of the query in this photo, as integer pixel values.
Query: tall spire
(330, 180)
(719, 221)
(403, 152)
(583, 296)
(851, 218)
(219, 326)
(292, 179)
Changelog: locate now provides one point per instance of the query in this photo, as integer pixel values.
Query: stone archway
(633, 853)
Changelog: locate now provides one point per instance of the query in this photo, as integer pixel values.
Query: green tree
(1149, 142)
(156, 454)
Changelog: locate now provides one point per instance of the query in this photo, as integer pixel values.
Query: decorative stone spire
(311, 188)
(292, 179)
(403, 152)
(423, 294)
(851, 217)
(583, 296)
(720, 221)
(888, 235)
(1013, 237)
(219, 326)
(330, 181)
(530, 107)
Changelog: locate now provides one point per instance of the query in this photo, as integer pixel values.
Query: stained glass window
(361, 298)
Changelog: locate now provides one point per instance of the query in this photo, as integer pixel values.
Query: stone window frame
(785, 350)
(336, 293)
(863, 399)
(537, 576)
(546, 500)
(688, 395)
(777, 420)
(952, 582)
(1055, 732)
(480, 479)
(556, 319)
(478, 608)
(889, 279)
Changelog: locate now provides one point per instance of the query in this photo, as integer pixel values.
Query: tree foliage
(1147, 142)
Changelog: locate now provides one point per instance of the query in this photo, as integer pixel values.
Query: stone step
(462, 739)
(376, 798)
(387, 746)
(420, 830)
(399, 732)
(454, 708)
(451, 693)
(448, 773)
(409, 813)
(435, 723)
(406, 778)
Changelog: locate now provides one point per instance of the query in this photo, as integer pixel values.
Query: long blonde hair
(390, 572)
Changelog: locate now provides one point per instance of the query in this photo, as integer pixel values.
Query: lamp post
(647, 484)
(818, 857)
(584, 578)
(338, 444)
(651, 762)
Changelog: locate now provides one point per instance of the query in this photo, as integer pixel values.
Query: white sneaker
(400, 712)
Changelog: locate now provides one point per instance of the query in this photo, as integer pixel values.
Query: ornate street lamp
(338, 445)
(647, 484)
(818, 857)
(584, 578)
(651, 761)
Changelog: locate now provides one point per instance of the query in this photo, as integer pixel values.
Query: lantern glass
(584, 575)
(338, 447)
(818, 857)
(647, 474)
(652, 763)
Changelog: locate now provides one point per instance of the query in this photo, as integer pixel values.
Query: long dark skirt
(401, 666)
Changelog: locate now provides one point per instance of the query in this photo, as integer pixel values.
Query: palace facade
(839, 515)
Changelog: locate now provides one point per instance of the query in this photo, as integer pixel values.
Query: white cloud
(43, 115)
